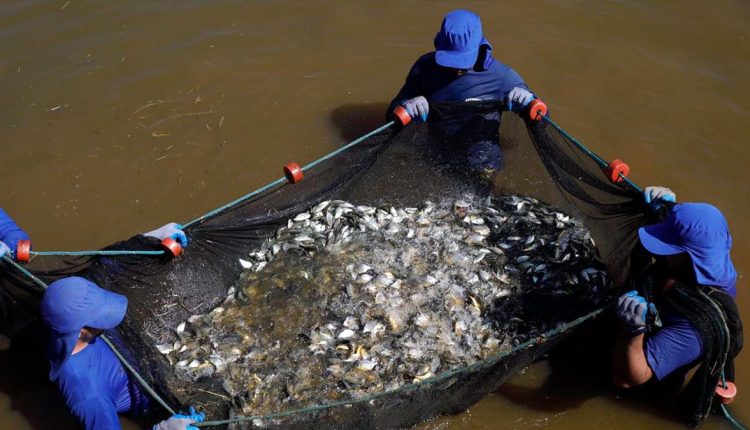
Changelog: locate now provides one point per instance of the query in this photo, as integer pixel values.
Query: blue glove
(655, 196)
(632, 310)
(417, 107)
(519, 98)
(181, 422)
(172, 230)
(3, 249)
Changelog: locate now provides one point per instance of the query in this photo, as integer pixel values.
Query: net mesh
(399, 167)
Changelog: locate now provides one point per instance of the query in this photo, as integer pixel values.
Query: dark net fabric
(396, 167)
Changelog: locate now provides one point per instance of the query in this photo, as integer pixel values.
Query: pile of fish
(346, 300)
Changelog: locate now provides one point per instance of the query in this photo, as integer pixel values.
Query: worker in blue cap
(10, 234)
(92, 380)
(460, 69)
(694, 286)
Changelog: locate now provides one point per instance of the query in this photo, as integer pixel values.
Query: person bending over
(683, 312)
(95, 385)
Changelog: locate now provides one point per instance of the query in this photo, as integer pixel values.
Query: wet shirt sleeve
(675, 345)
(412, 86)
(95, 388)
(10, 232)
(93, 409)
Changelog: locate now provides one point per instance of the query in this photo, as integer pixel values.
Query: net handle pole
(591, 154)
(104, 338)
(281, 181)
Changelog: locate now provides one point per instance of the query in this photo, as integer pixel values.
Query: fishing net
(397, 167)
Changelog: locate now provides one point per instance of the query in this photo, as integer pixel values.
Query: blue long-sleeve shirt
(96, 387)
(440, 84)
(10, 232)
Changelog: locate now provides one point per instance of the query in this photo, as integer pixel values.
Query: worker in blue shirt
(461, 69)
(92, 380)
(691, 247)
(10, 234)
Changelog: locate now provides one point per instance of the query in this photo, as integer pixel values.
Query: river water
(118, 117)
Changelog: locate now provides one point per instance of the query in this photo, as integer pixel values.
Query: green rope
(104, 338)
(137, 376)
(83, 253)
(591, 154)
(23, 270)
(731, 419)
(411, 387)
(282, 181)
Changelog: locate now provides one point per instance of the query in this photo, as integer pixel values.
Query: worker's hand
(519, 98)
(181, 422)
(632, 310)
(417, 107)
(652, 194)
(655, 196)
(172, 230)
(3, 249)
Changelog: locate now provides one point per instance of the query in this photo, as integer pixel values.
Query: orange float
(23, 251)
(293, 173)
(617, 168)
(537, 109)
(726, 392)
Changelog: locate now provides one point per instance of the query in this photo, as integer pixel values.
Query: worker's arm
(10, 232)
(638, 358)
(515, 92)
(412, 86)
(629, 365)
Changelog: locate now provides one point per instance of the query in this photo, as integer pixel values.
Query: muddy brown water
(118, 117)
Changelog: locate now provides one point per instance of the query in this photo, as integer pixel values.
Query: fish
(345, 300)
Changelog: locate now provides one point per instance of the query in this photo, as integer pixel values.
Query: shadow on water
(355, 120)
(32, 394)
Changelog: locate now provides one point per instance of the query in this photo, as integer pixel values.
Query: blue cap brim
(111, 311)
(456, 59)
(656, 239)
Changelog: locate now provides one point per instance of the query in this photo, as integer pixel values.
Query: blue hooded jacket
(459, 44)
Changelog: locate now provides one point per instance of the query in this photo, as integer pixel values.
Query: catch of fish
(345, 301)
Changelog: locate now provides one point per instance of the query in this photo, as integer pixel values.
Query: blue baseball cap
(700, 230)
(68, 305)
(459, 40)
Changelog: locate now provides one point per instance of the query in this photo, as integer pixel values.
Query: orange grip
(402, 115)
(172, 246)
